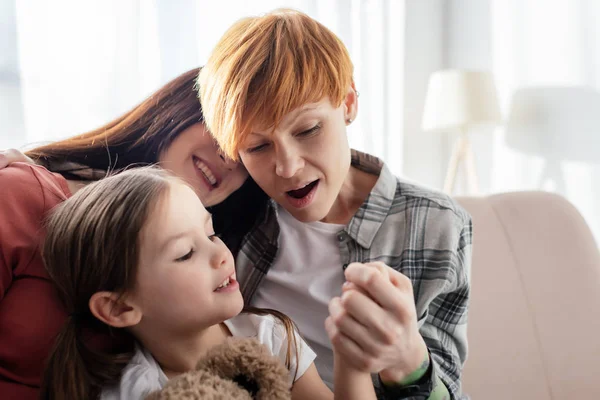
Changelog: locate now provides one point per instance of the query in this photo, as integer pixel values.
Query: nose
(220, 255)
(287, 162)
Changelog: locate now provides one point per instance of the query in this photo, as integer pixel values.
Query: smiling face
(303, 162)
(186, 276)
(194, 157)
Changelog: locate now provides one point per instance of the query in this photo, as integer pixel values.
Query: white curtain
(85, 62)
(546, 58)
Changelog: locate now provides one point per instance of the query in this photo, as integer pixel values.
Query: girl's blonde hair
(264, 67)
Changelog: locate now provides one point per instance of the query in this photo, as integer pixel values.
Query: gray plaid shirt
(421, 233)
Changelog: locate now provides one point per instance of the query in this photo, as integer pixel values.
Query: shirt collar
(368, 219)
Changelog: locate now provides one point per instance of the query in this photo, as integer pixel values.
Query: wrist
(343, 365)
(429, 387)
(406, 376)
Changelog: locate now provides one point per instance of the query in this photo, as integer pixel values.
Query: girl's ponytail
(78, 371)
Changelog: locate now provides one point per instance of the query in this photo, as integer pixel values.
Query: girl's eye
(310, 131)
(214, 236)
(186, 257)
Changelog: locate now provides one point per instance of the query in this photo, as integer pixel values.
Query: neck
(177, 354)
(356, 188)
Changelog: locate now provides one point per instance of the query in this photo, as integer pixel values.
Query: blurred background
(67, 66)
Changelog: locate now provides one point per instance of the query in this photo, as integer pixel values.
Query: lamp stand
(462, 153)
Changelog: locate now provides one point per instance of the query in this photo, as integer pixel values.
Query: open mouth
(303, 196)
(303, 191)
(225, 283)
(206, 172)
(228, 284)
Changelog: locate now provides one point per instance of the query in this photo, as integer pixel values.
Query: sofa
(534, 318)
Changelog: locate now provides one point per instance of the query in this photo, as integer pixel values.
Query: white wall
(531, 43)
(424, 32)
(467, 44)
(439, 35)
(11, 109)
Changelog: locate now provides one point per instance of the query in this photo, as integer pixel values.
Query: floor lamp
(458, 100)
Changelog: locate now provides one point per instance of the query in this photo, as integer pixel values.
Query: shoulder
(141, 376)
(415, 197)
(271, 332)
(29, 184)
(28, 193)
(265, 328)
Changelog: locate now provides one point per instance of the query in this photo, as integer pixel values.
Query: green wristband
(413, 376)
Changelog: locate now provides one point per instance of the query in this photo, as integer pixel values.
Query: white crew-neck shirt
(306, 274)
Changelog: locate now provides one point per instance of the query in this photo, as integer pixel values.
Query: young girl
(138, 252)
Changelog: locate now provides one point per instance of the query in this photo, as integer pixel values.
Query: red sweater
(31, 314)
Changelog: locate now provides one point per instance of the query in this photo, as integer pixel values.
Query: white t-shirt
(306, 274)
(143, 375)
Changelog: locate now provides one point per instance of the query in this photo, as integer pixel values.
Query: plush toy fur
(239, 369)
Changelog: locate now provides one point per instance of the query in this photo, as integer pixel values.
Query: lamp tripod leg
(470, 168)
(455, 160)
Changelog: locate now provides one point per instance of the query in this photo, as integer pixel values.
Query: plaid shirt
(421, 233)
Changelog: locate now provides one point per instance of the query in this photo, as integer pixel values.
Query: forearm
(351, 384)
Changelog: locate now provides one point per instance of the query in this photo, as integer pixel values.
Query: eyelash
(187, 256)
(192, 251)
(310, 131)
(256, 149)
(302, 134)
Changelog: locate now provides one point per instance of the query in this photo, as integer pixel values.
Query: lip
(231, 277)
(306, 200)
(301, 185)
(233, 286)
(203, 178)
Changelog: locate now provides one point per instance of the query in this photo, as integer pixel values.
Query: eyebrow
(179, 235)
(303, 110)
(307, 108)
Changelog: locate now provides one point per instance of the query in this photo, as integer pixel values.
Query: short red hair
(265, 67)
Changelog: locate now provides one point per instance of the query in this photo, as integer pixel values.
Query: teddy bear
(239, 369)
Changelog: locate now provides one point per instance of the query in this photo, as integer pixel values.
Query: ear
(114, 310)
(350, 104)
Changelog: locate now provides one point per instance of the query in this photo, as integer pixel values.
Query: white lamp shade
(457, 99)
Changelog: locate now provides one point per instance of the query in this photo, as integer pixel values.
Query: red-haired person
(374, 270)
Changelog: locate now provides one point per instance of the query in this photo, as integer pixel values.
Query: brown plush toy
(239, 369)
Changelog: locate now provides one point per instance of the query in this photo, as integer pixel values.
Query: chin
(238, 306)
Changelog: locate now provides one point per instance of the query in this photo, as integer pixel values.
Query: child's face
(193, 156)
(183, 266)
(303, 162)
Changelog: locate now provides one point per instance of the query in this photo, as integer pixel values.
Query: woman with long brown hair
(166, 129)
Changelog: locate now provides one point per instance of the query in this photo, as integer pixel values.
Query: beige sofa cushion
(534, 319)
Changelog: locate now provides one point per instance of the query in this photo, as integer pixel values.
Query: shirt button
(341, 237)
(344, 266)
